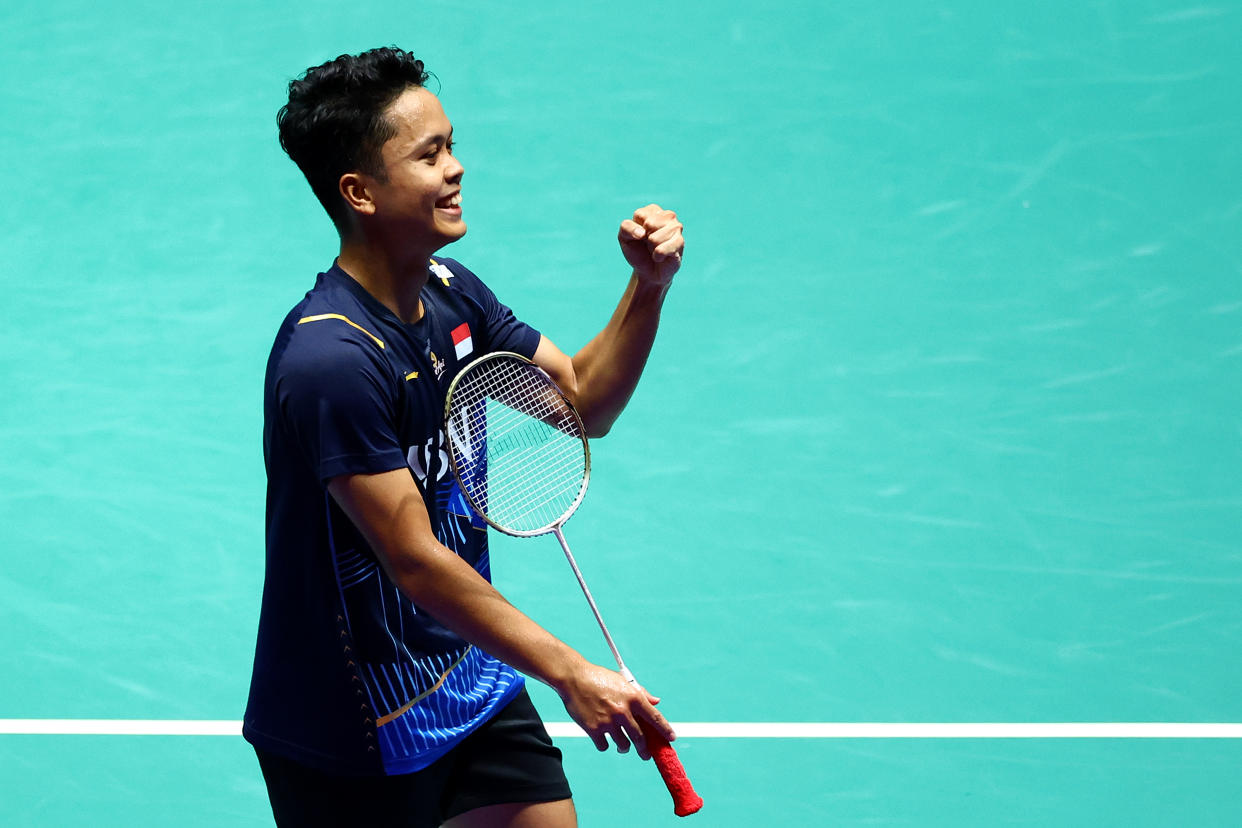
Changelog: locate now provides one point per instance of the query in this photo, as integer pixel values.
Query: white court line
(706, 730)
(958, 730)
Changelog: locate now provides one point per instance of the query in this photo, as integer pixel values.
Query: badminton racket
(520, 454)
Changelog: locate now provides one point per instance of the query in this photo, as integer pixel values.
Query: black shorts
(508, 759)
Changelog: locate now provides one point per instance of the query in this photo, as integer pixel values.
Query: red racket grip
(685, 800)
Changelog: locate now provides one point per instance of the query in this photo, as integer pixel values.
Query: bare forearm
(448, 588)
(388, 509)
(608, 367)
(601, 377)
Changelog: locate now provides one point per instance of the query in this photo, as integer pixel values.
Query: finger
(601, 743)
(664, 232)
(631, 231)
(622, 741)
(635, 732)
(664, 218)
(658, 721)
(671, 249)
(643, 213)
(651, 699)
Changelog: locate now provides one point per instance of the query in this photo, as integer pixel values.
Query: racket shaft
(685, 800)
(599, 619)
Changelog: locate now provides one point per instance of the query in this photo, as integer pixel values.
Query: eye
(433, 152)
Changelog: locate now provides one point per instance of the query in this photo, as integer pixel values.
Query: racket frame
(465, 490)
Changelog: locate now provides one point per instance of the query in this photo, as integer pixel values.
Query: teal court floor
(944, 423)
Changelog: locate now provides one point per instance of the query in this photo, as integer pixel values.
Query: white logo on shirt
(441, 272)
(420, 457)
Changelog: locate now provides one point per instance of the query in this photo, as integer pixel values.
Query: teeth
(455, 201)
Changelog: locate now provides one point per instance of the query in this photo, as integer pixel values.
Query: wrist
(650, 287)
(564, 666)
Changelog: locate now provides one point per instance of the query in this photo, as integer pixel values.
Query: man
(385, 688)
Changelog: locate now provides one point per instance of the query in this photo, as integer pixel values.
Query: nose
(453, 171)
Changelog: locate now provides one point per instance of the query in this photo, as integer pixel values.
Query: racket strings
(535, 498)
(517, 444)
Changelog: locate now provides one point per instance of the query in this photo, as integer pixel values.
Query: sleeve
(503, 331)
(338, 403)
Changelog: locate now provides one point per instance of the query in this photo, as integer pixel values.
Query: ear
(354, 189)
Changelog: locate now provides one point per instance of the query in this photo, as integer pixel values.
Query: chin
(454, 232)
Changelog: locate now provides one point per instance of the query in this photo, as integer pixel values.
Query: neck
(396, 280)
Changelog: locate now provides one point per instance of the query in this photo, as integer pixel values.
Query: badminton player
(388, 673)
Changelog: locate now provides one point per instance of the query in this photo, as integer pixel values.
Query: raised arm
(388, 510)
(601, 377)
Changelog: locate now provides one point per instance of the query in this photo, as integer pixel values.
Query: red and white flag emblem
(461, 340)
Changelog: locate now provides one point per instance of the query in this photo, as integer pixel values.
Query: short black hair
(334, 121)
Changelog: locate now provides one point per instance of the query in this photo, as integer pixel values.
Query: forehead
(417, 116)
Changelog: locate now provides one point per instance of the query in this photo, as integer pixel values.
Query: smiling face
(419, 198)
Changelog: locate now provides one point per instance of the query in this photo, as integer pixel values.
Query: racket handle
(685, 800)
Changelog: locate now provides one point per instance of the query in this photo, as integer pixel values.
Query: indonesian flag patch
(461, 340)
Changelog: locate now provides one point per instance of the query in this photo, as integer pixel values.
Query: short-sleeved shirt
(349, 675)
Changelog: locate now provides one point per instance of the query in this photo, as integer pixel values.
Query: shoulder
(324, 337)
(451, 278)
(454, 275)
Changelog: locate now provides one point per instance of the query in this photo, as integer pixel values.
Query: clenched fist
(652, 244)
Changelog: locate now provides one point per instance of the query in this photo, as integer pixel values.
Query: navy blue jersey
(349, 675)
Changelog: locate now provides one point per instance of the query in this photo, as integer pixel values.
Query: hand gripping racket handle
(685, 800)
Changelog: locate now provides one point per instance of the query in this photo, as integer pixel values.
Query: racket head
(517, 447)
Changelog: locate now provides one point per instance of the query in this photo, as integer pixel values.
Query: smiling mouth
(450, 202)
